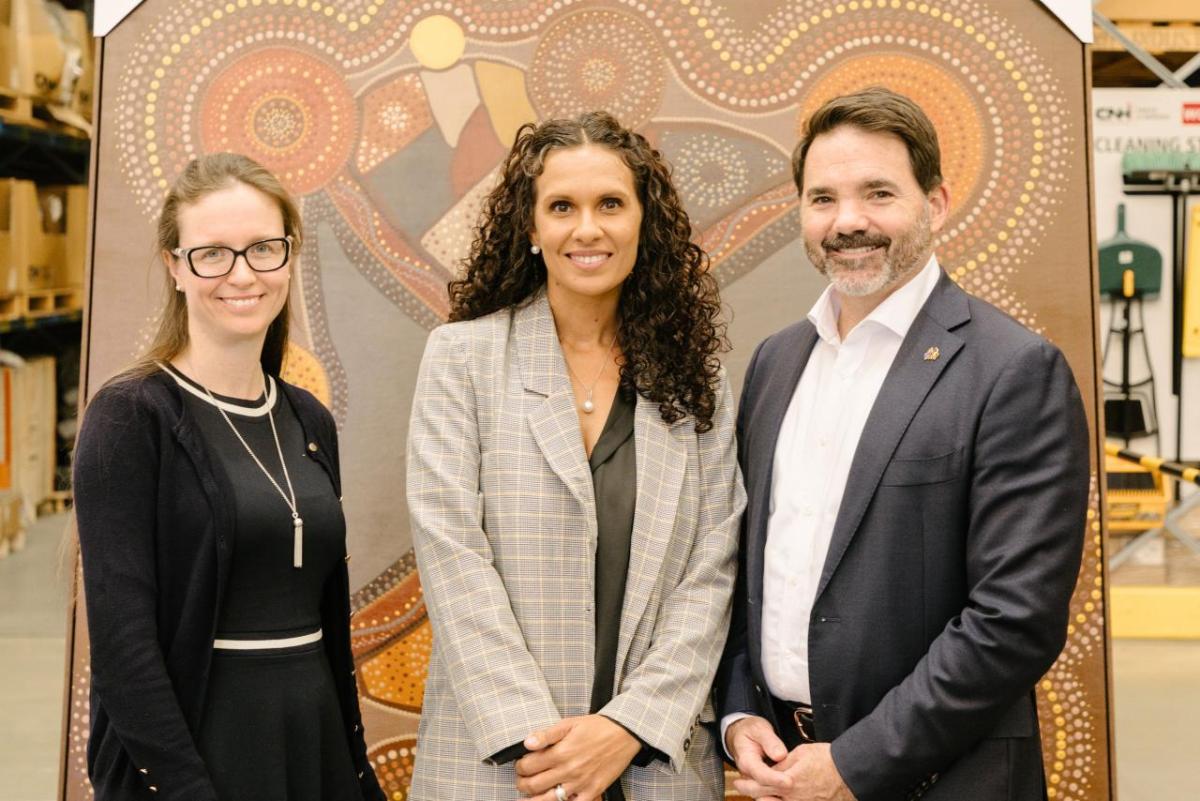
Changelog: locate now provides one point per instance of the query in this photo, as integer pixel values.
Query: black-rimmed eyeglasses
(214, 261)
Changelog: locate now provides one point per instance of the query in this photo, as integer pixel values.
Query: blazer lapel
(554, 423)
(661, 456)
(926, 351)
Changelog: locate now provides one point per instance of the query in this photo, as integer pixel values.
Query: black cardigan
(156, 523)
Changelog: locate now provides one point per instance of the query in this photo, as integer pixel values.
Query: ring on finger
(560, 793)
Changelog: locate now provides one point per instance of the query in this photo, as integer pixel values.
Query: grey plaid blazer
(504, 527)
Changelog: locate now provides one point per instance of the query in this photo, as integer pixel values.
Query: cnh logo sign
(1114, 112)
(1191, 113)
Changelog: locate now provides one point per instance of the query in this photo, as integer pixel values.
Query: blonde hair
(200, 178)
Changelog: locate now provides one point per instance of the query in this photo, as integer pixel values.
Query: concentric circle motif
(393, 115)
(393, 760)
(598, 59)
(946, 99)
(285, 109)
(1003, 137)
(710, 172)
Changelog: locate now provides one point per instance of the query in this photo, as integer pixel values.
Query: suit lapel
(661, 456)
(554, 423)
(927, 350)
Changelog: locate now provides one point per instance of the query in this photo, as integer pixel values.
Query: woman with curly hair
(573, 486)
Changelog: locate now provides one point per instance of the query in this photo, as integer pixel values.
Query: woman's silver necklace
(588, 406)
(290, 497)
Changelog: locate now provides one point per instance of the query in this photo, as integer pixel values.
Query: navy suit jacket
(945, 593)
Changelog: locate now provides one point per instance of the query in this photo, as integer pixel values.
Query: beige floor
(1157, 690)
(33, 604)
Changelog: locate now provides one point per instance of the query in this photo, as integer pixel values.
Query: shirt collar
(896, 313)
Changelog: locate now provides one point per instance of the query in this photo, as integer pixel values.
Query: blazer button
(360, 773)
(355, 727)
(153, 789)
(312, 447)
(143, 771)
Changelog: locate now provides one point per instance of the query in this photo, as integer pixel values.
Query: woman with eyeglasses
(211, 531)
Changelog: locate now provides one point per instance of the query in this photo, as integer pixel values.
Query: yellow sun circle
(437, 42)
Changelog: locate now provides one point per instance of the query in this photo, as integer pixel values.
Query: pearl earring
(534, 249)
(178, 288)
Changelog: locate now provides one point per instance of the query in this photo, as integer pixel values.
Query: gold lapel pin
(932, 354)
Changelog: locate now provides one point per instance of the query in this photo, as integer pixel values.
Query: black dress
(272, 728)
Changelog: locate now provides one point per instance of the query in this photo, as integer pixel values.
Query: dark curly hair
(669, 324)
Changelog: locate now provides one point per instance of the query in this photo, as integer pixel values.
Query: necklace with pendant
(588, 406)
(290, 496)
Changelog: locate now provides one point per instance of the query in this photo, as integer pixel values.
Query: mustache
(848, 241)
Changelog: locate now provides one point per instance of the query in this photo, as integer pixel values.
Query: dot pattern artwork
(349, 103)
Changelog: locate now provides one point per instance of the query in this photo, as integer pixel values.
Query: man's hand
(813, 774)
(584, 754)
(751, 741)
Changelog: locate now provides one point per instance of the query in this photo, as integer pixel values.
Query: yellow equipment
(1190, 331)
(1137, 497)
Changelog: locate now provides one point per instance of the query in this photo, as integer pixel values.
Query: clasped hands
(807, 773)
(584, 754)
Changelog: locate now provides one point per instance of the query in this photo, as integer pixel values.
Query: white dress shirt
(816, 446)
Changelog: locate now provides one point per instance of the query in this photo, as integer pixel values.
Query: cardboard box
(82, 54)
(48, 242)
(19, 224)
(71, 274)
(8, 53)
(35, 412)
(37, 54)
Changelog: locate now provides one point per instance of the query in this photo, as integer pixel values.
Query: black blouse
(614, 482)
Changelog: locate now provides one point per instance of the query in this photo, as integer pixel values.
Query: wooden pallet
(15, 107)
(36, 112)
(45, 302)
(55, 503)
(12, 307)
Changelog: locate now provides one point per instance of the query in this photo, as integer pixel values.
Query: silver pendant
(297, 541)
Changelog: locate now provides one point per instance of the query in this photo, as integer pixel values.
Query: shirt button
(312, 447)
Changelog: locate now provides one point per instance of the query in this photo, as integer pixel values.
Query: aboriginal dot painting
(387, 120)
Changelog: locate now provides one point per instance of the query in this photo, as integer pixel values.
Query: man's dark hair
(877, 110)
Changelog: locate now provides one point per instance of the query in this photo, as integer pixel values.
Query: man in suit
(917, 470)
